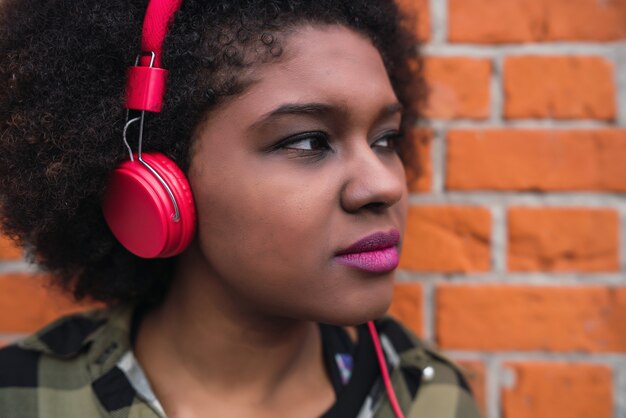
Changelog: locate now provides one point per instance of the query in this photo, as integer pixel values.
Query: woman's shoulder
(60, 367)
(63, 339)
(428, 383)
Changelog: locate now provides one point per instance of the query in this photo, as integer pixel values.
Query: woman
(287, 119)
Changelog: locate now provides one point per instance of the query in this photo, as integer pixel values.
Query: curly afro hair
(62, 112)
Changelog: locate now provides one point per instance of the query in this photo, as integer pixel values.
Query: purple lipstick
(376, 253)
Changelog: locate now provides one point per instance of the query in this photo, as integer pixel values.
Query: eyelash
(318, 153)
(394, 137)
(312, 155)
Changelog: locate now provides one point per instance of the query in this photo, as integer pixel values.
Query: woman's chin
(351, 315)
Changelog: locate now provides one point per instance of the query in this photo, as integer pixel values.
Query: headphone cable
(383, 370)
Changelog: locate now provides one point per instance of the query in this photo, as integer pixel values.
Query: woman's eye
(307, 142)
(388, 140)
(310, 146)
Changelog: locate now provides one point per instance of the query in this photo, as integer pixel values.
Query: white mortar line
(532, 199)
(428, 300)
(620, 82)
(496, 92)
(619, 389)
(11, 338)
(498, 239)
(438, 23)
(438, 154)
(492, 387)
(18, 267)
(547, 49)
(603, 359)
(403, 276)
(537, 124)
(536, 279)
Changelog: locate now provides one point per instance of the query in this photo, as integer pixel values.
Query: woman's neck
(204, 347)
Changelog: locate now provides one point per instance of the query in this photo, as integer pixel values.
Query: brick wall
(515, 258)
(515, 255)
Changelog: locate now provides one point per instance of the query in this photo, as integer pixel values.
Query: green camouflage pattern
(81, 366)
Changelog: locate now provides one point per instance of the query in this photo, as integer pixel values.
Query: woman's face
(291, 173)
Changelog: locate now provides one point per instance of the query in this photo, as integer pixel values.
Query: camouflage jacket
(82, 366)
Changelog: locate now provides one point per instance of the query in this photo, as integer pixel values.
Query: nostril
(376, 206)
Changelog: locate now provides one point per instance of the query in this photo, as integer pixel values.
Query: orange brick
(459, 87)
(559, 390)
(423, 182)
(590, 20)
(407, 306)
(563, 239)
(8, 250)
(504, 21)
(561, 87)
(447, 239)
(26, 304)
(515, 317)
(474, 372)
(493, 21)
(536, 160)
(418, 10)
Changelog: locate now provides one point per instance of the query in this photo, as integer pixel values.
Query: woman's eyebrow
(320, 110)
(313, 108)
(390, 109)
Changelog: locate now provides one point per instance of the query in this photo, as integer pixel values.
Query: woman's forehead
(327, 64)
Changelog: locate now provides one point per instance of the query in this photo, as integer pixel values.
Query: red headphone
(147, 200)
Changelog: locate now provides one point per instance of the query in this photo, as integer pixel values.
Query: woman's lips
(376, 253)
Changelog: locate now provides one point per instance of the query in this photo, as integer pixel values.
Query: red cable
(383, 369)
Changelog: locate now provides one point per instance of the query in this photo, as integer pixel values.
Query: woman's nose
(373, 182)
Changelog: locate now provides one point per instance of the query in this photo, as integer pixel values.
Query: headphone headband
(156, 24)
(145, 86)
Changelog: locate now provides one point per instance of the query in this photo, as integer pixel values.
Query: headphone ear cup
(140, 212)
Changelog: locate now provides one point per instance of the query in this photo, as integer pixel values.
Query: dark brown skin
(237, 334)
